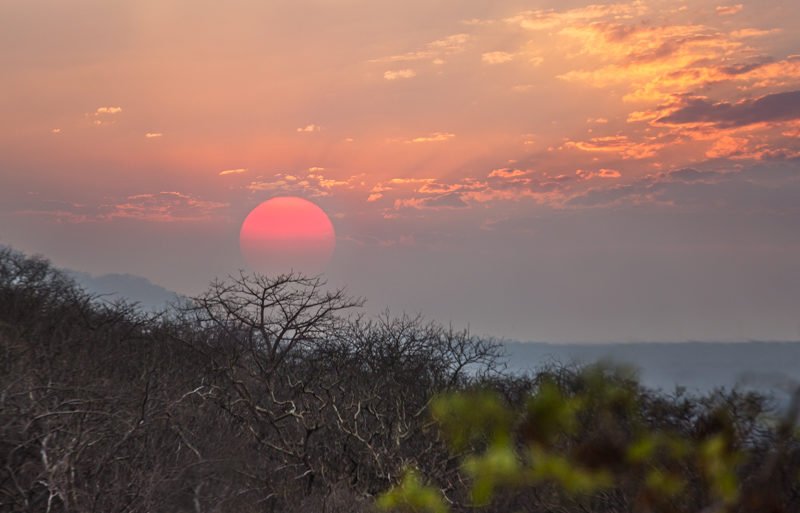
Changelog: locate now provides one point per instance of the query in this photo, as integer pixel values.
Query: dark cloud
(452, 200)
(773, 173)
(769, 188)
(692, 175)
(772, 107)
(163, 206)
(607, 195)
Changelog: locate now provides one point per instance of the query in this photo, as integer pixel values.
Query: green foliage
(413, 496)
(549, 414)
(498, 465)
(719, 464)
(587, 436)
(664, 484)
(467, 418)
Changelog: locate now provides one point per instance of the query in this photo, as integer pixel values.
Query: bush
(594, 440)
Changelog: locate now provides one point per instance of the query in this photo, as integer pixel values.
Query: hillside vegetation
(273, 394)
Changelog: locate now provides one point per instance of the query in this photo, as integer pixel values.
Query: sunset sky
(540, 169)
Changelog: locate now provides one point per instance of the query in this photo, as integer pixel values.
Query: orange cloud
(309, 128)
(103, 115)
(434, 137)
(500, 185)
(496, 57)
(435, 50)
(653, 62)
(771, 74)
(399, 74)
(548, 19)
(609, 173)
(411, 180)
(108, 110)
(311, 184)
(727, 10)
(752, 32)
(792, 130)
(508, 173)
(727, 147)
(618, 144)
(237, 171)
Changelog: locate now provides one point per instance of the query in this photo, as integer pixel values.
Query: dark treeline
(275, 394)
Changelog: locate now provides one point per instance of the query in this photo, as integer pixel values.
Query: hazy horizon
(151, 296)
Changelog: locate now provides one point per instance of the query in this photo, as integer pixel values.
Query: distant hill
(137, 289)
(697, 366)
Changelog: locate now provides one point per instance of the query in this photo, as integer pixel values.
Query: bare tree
(333, 400)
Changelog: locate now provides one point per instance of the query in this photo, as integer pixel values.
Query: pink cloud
(508, 173)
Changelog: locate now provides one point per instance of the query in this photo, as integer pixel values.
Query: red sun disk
(287, 233)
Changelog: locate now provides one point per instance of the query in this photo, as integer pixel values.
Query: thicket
(276, 394)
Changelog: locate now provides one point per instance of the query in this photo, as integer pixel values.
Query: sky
(538, 170)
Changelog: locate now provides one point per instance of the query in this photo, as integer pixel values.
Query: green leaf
(412, 495)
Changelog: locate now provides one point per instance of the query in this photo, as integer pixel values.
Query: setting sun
(287, 233)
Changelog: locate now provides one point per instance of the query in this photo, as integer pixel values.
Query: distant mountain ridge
(697, 366)
(136, 289)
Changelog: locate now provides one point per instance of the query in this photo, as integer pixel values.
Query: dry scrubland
(273, 395)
